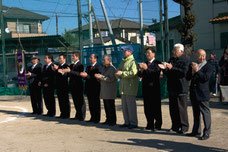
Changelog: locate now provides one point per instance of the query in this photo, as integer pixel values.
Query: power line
(76, 15)
(136, 9)
(46, 1)
(51, 18)
(126, 8)
(21, 3)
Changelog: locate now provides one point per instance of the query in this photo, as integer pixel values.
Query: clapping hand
(28, 74)
(66, 70)
(83, 74)
(195, 67)
(143, 66)
(169, 66)
(61, 71)
(163, 65)
(118, 73)
(98, 76)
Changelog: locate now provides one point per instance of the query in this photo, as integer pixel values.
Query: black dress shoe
(193, 134)
(132, 126)
(172, 130)
(59, 117)
(149, 128)
(89, 120)
(80, 119)
(112, 124)
(123, 126)
(204, 137)
(65, 117)
(34, 113)
(105, 123)
(181, 132)
(158, 128)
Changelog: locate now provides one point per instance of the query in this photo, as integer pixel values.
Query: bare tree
(186, 30)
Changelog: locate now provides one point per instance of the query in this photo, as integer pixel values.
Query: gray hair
(109, 57)
(179, 46)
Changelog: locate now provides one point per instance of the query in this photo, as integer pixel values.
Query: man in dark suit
(48, 80)
(177, 85)
(150, 74)
(92, 88)
(199, 74)
(34, 76)
(62, 87)
(76, 86)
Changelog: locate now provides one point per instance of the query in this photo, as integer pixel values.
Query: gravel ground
(23, 132)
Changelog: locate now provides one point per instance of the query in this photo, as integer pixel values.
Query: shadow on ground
(74, 122)
(169, 145)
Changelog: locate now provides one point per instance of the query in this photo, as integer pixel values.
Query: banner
(21, 70)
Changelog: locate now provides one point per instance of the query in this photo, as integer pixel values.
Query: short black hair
(95, 56)
(151, 48)
(64, 56)
(76, 53)
(50, 57)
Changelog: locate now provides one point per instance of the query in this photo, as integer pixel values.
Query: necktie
(149, 63)
(33, 67)
(91, 67)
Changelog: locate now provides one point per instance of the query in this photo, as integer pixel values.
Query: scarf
(201, 65)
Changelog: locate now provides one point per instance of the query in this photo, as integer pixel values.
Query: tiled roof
(221, 18)
(17, 13)
(174, 22)
(115, 24)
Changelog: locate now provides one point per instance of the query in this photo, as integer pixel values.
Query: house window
(23, 28)
(217, 1)
(104, 33)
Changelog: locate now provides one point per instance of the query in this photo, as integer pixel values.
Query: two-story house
(211, 27)
(125, 31)
(22, 22)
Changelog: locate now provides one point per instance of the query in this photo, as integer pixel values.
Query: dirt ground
(23, 132)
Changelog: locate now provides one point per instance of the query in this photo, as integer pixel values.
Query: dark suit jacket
(75, 78)
(199, 88)
(151, 78)
(48, 76)
(176, 81)
(35, 77)
(92, 85)
(62, 80)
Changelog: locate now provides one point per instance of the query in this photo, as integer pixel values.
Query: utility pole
(90, 24)
(57, 24)
(141, 29)
(161, 31)
(80, 29)
(108, 23)
(98, 27)
(166, 30)
(3, 46)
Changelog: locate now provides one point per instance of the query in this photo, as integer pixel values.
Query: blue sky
(67, 11)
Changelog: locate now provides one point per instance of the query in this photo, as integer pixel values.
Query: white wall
(207, 34)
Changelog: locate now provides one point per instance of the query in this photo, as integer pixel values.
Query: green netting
(117, 55)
